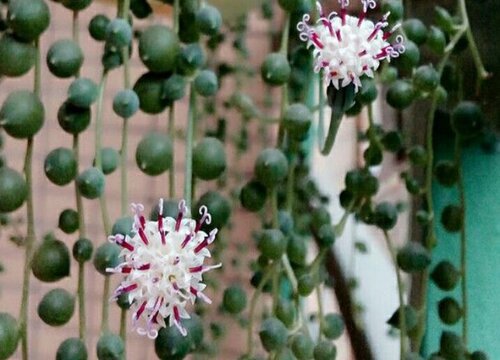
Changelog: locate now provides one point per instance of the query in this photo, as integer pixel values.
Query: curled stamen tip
(152, 334)
(182, 206)
(369, 4)
(203, 210)
(137, 207)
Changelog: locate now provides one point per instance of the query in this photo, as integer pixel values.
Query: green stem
(82, 327)
(105, 305)
(290, 184)
(321, 109)
(123, 10)
(463, 241)
(318, 260)
(30, 241)
(37, 82)
(188, 174)
(76, 27)
(372, 136)
(326, 145)
(276, 284)
(171, 133)
(430, 239)
(274, 208)
(82, 320)
(284, 88)
(105, 215)
(123, 324)
(285, 35)
(481, 71)
(253, 304)
(79, 204)
(126, 68)
(98, 122)
(402, 313)
(289, 272)
(319, 299)
(176, 16)
(124, 168)
(338, 228)
(30, 217)
(171, 113)
(98, 148)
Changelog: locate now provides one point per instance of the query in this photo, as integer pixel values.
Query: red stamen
(196, 269)
(129, 288)
(139, 311)
(317, 42)
(343, 13)
(374, 32)
(160, 229)
(361, 18)
(176, 314)
(178, 221)
(362, 53)
(201, 246)
(126, 270)
(327, 23)
(142, 220)
(155, 317)
(124, 244)
(143, 236)
(339, 35)
(382, 53)
(144, 267)
(186, 240)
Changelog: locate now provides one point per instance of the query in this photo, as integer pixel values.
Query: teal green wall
(482, 183)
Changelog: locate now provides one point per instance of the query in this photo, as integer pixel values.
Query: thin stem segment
(430, 239)
(171, 133)
(463, 241)
(188, 174)
(30, 242)
(30, 217)
(253, 306)
(284, 87)
(481, 71)
(124, 170)
(82, 321)
(105, 305)
(402, 312)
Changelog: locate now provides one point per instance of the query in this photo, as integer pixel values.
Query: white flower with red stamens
(347, 47)
(163, 262)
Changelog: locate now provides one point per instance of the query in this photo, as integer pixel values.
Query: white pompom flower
(347, 47)
(163, 262)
